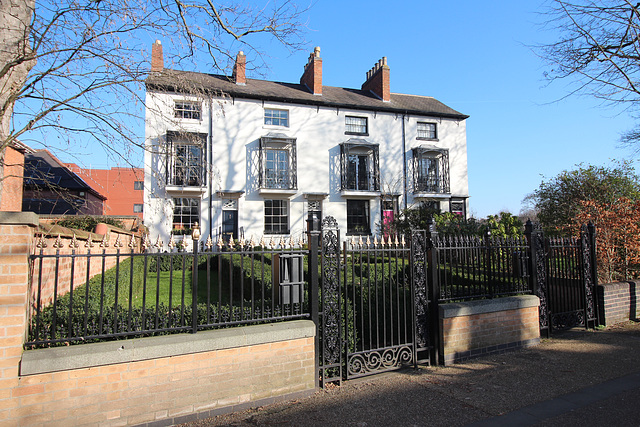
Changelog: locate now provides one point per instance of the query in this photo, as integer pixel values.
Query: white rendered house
(252, 158)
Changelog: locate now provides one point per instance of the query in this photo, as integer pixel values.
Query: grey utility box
(288, 277)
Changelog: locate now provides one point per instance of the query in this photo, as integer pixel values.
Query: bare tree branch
(74, 70)
(598, 51)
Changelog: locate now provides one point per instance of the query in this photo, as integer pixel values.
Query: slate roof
(42, 170)
(335, 97)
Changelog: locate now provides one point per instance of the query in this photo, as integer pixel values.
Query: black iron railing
(163, 292)
(471, 267)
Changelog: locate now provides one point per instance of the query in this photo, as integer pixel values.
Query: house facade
(252, 158)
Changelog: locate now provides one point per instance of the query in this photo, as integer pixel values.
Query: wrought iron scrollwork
(541, 275)
(419, 260)
(567, 320)
(587, 273)
(379, 360)
(331, 334)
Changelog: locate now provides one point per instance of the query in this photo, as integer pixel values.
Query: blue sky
(477, 58)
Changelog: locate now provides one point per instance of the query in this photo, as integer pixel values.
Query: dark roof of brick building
(335, 97)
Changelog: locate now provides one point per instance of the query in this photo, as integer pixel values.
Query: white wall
(237, 126)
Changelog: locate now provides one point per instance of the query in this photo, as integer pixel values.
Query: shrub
(87, 222)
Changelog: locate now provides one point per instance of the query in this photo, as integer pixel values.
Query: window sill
(281, 191)
(421, 138)
(178, 189)
(360, 194)
(275, 127)
(357, 133)
(425, 195)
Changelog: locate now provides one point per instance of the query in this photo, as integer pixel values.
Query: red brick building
(51, 188)
(123, 188)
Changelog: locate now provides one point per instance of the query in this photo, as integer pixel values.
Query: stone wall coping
(19, 218)
(619, 285)
(470, 308)
(107, 353)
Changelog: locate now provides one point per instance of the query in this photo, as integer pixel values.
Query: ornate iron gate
(565, 278)
(374, 304)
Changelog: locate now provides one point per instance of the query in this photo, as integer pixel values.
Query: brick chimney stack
(378, 80)
(312, 76)
(157, 59)
(240, 69)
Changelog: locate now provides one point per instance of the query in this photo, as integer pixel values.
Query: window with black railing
(278, 163)
(186, 159)
(359, 167)
(431, 171)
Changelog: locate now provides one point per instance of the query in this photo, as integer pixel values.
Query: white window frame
(190, 110)
(427, 131)
(276, 117)
(356, 125)
(176, 206)
(271, 227)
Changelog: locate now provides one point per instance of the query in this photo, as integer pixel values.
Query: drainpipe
(210, 166)
(404, 162)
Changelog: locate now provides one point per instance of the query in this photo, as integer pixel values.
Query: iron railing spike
(74, 242)
(42, 242)
(58, 243)
(105, 241)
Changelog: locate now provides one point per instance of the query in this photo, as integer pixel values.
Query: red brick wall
(618, 302)
(167, 388)
(477, 331)
(175, 389)
(117, 185)
(16, 239)
(12, 183)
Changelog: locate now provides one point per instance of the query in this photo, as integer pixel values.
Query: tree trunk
(16, 60)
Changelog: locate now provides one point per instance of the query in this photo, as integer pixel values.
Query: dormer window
(273, 117)
(187, 110)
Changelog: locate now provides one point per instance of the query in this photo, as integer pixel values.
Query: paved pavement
(586, 378)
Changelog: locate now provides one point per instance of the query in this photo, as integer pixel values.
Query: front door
(229, 224)
(389, 208)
